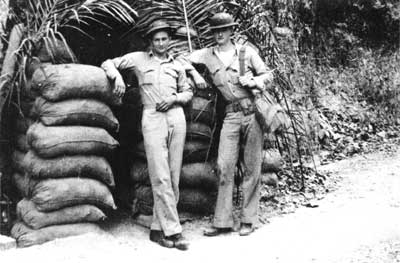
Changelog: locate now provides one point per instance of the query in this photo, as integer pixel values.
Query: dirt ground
(357, 223)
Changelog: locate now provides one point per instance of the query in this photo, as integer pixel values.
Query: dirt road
(359, 222)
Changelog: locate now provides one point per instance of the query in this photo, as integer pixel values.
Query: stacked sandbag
(129, 116)
(198, 181)
(65, 176)
(272, 163)
(20, 147)
(198, 185)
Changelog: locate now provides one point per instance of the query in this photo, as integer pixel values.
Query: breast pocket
(171, 72)
(234, 73)
(149, 76)
(170, 77)
(217, 75)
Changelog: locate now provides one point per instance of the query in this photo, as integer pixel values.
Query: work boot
(215, 231)
(246, 229)
(158, 237)
(179, 241)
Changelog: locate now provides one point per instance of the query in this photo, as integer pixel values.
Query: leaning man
(241, 137)
(163, 88)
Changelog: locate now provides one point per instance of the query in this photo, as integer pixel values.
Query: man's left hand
(248, 82)
(166, 104)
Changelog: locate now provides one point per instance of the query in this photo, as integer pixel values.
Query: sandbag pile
(198, 182)
(64, 174)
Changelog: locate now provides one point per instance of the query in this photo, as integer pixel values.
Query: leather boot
(215, 231)
(158, 237)
(246, 229)
(179, 241)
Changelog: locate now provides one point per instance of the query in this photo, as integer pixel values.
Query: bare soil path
(358, 223)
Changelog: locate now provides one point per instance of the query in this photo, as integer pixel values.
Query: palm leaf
(45, 20)
(198, 13)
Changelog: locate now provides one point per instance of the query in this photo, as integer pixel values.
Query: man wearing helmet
(241, 136)
(163, 89)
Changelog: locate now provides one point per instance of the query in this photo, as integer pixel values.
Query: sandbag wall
(198, 181)
(64, 144)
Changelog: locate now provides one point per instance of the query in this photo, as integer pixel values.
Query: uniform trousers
(164, 138)
(241, 136)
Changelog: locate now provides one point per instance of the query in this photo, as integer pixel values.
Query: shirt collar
(237, 48)
(168, 59)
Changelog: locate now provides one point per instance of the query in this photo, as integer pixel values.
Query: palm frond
(44, 22)
(198, 12)
(55, 14)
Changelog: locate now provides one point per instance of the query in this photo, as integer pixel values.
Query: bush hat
(221, 20)
(182, 32)
(158, 25)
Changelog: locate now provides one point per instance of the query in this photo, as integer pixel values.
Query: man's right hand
(119, 87)
(200, 82)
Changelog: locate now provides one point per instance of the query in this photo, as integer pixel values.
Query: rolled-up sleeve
(111, 66)
(184, 92)
(263, 75)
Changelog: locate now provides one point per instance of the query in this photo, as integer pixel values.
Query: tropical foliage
(314, 46)
(45, 21)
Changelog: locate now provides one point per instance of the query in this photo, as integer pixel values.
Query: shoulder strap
(242, 53)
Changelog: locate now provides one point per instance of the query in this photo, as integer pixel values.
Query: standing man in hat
(241, 136)
(163, 88)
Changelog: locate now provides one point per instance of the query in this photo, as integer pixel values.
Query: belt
(245, 105)
(153, 106)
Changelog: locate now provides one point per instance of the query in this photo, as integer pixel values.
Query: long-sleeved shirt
(158, 79)
(225, 75)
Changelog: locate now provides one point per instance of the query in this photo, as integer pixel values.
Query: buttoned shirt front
(158, 79)
(225, 75)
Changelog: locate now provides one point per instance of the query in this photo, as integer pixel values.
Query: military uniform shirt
(158, 79)
(225, 75)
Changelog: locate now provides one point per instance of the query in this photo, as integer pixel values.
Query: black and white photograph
(200, 131)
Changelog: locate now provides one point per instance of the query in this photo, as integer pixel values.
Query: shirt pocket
(149, 76)
(234, 72)
(170, 78)
(217, 75)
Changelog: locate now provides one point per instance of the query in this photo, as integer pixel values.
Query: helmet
(182, 32)
(221, 20)
(158, 25)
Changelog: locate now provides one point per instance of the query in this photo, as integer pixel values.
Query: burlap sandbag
(190, 200)
(21, 143)
(23, 183)
(17, 158)
(22, 124)
(198, 130)
(53, 194)
(26, 107)
(95, 167)
(26, 236)
(272, 161)
(27, 212)
(201, 110)
(54, 141)
(193, 175)
(139, 173)
(32, 65)
(85, 112)
(194, 151)
(200, 176)
(71, 81)
(196, 201)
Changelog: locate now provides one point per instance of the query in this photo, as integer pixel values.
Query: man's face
(222, 35)
(160, 42)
